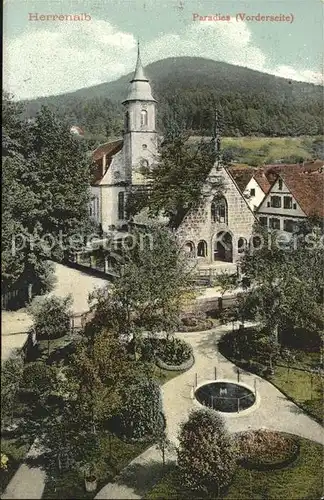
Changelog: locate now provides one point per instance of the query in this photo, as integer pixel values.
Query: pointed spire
(217, 133)
(139, 72)
(140, 88)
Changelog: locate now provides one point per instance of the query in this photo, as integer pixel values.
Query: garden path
(275, 411)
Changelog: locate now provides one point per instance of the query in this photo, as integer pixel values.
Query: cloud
(67, 56)
(230, 42)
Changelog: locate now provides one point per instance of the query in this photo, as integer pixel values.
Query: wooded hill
(187, 89)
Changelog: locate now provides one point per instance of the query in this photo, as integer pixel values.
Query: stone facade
(211, 241)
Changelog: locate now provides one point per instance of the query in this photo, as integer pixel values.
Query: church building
(216, 232)
(118, 163)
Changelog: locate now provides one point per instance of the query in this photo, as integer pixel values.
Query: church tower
(140, 137)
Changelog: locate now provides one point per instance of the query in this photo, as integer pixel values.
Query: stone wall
(198, 225)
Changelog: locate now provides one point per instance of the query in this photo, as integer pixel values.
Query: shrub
(174, 351)
(142, 415)
(51, 316)
(12, 371)
(265, 449)
(206, 453)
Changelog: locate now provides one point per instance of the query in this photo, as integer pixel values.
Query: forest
(188, 89)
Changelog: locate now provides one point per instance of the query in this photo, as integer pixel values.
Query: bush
(142, 415)
(195, 323)
(12, 371)
(264, 449)
(51, 316)
(174, 351)
(206, 453)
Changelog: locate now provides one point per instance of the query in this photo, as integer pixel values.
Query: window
(287, 202)
(218, 211)
(144, 146)
(280, 184)
(276, 201)
(143, 118)
(241, 245)
(289, 226)
(202, 249)
(121, 205)
(294, 206)
(190, 248)
(126, 124)
(252, 192)
(144, 163)
(263, 221)
(274, 223)
(268, 204)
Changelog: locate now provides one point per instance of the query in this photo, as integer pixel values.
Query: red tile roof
(107, 150)
(261, 178)
(242, 174)
(307, 187)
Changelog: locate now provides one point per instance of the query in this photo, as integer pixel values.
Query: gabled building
(296, 193)
(118, 163)
(220, 229)
(252, 182)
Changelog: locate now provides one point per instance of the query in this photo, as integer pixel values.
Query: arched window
(144, 163)
(121, 205)
(143, 118)
(126, 125)
(241, 245)
(218, 210)
(202, 249)
(189, 248)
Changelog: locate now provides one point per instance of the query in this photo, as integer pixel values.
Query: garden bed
(267, 450)
(195, 323)
(299, 480)
(171, 354)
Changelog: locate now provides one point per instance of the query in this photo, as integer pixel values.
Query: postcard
(162, 249)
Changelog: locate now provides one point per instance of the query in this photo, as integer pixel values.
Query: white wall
(254, 201)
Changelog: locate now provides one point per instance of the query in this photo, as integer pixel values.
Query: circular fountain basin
(225, 396)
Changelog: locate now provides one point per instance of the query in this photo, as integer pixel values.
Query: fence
(14, 299)
(227, 396)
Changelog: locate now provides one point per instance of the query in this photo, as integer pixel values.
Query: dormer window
(143, 118)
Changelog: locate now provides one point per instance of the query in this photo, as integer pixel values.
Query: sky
(46, 57)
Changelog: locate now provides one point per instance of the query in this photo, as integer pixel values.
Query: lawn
(302, 388)
(114, 455)
(302, 479)
(258, 150)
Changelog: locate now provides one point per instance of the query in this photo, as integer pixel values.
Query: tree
(51, 316)
(141, 415)
(61, 177)
(176, 185)
(286, 286)
(23, 259)
(206, 453)
(11, 375)
(153, 286)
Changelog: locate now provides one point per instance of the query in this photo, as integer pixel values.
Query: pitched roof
(242, 174)
(108, 150)
(261, 178)
(307, 187)
(272, 171)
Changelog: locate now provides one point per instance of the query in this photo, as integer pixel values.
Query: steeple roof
(140, 88)
(139, 72)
